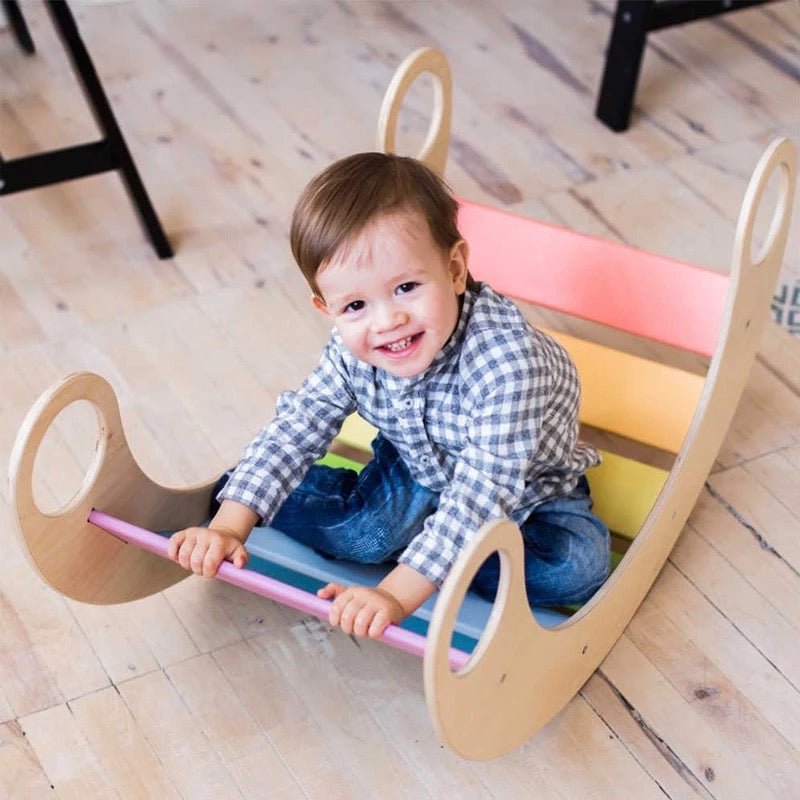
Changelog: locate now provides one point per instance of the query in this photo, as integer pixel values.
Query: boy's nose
(388, 318)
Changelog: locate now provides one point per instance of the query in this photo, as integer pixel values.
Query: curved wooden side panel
(73, 556)
(522, 674)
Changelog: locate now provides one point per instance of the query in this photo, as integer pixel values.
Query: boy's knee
(593, 565)
(375, 549)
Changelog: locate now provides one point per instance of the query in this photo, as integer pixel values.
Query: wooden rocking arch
(521, 673)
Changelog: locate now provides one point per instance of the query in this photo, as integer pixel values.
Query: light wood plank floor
(205, 691)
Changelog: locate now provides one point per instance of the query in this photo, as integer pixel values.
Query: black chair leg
(68, 33)
(109, 154)
(18, 26)
(633, 20)
(623, 61)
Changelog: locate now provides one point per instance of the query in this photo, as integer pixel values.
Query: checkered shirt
(491, 425)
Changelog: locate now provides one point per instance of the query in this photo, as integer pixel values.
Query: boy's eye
(405, 288)
(356, 305)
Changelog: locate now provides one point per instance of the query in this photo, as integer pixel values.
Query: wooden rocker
(526, 665)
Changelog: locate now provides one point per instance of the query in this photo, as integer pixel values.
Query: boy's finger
(331, 590)
(348, 614)
(239, 557)
(337, 606)
(212, 559)
(185, 553)
(378, 625)
(198, 556)
(175, 542)
(363, 621)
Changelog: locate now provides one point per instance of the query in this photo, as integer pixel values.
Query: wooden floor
(206, 691)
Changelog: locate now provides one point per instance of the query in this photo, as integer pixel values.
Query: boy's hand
(202, 550)
(362, 610)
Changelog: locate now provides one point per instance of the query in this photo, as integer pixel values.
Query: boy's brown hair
(341, 200)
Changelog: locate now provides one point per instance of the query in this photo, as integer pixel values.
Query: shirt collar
(444, 356)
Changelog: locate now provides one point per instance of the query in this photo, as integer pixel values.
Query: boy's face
(393, 294)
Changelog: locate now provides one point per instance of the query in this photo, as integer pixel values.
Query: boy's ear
(459, 258)
(319, 304)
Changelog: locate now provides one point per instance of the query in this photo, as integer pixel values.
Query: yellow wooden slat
(357, 433)
(631, 396)
(623, 490)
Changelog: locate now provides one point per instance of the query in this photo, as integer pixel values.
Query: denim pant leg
(367, 517)
(566, 552)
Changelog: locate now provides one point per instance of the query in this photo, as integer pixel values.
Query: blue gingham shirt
(491, 425)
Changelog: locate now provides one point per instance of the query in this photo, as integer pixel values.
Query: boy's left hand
(362, 610)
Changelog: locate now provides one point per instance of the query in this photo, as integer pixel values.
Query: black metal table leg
(18, 26)
(68, 32)
(108, 154)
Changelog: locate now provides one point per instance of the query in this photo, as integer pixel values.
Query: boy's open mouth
(401, 345)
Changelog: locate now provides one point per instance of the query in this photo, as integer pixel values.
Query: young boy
(477, 412)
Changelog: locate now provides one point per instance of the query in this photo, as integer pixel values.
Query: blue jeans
(371, 517)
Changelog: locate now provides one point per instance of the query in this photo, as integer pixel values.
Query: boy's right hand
(202, 550)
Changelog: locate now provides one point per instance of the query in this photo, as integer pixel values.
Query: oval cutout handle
(437, 141)
(781, 155)
(69, 553)
(476, 710)
(76, 387)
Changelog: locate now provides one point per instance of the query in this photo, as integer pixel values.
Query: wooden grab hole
(66, 458)
(769, 214)
(413, 118)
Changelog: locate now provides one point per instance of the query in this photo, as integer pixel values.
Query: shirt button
(423, 460)
(409, 403)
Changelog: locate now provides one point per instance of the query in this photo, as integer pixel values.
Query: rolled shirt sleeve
(306, 422)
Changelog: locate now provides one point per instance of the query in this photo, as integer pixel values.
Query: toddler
(477, 412)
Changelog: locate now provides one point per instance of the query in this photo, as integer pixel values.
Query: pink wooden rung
(267, 587)
(613, 284)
